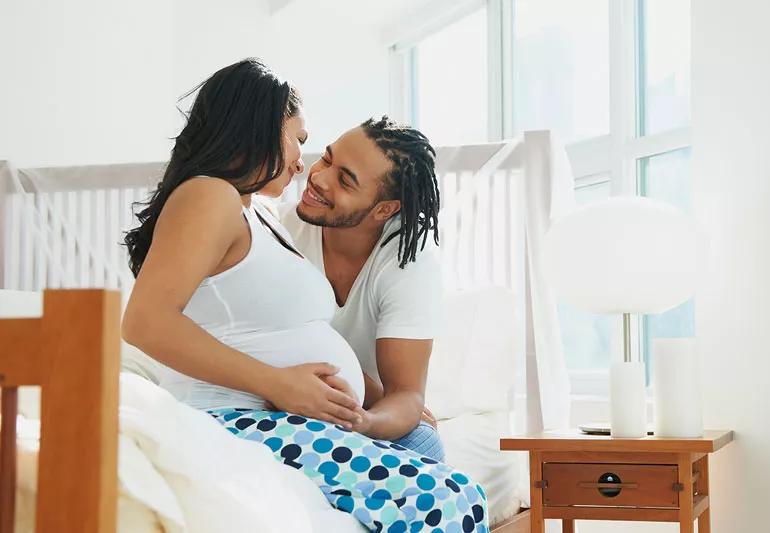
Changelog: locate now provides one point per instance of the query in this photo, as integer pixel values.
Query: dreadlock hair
(412, 181)
(233, 131)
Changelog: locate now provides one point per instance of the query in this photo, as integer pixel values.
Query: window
(450, 104)
(610, 77)
(667, 177)
(664, 67)
(561, 67)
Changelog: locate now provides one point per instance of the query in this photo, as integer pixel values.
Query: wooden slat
(56, 267)
(41, 242)
(83, 239)
(700, 508)
(97, 247)
(8, 412)
(78, 447)
(12, 240)
(70, 246)
(27, 256)
(112, 236)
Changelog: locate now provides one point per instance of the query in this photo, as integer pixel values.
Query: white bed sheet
(180, 472)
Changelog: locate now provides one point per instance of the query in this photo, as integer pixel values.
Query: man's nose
(321, 179)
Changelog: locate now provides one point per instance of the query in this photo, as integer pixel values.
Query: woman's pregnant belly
(313, 342)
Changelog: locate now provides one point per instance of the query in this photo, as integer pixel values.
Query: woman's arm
(201, 222)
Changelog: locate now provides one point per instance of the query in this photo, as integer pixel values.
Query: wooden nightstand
(586, 477)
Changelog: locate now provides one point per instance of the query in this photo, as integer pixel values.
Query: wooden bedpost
(73, 353)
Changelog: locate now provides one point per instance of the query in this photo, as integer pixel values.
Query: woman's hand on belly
(302, 389)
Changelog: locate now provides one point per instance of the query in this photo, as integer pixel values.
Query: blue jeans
(424, 440)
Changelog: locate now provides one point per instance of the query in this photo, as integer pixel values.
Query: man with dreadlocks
(369, 220)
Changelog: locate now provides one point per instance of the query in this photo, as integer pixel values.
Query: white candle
(676, 388)
(628, 413)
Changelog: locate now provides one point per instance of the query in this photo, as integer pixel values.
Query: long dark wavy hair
(234, 132)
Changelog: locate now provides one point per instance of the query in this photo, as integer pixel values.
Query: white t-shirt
(385, 300)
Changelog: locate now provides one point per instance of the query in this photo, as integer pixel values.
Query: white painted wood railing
(67, 232)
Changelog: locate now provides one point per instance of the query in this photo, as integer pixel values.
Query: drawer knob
(609, 485)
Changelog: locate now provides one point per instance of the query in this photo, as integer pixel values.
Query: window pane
(451, 82)
(586, 336)
(667, 177)
(561, 67)
(664, 65)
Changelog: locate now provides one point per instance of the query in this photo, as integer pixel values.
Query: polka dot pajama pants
(385, 486)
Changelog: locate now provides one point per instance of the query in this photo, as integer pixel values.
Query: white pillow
(472, 445)
(473, 362)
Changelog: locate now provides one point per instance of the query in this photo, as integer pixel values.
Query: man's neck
(351, 244)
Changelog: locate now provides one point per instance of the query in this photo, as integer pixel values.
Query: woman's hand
(303, 389)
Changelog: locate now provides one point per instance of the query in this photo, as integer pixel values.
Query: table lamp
(620, 256)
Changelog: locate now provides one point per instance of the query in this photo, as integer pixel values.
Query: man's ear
(384, 210)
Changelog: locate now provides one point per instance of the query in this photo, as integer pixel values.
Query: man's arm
(403, 368)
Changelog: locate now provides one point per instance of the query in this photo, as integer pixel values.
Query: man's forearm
(395, 415)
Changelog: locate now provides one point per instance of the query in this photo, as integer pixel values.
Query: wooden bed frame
(73, 353)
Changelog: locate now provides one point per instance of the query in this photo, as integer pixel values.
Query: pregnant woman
(223, 298)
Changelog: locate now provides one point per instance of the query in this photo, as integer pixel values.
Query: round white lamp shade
(623, 255)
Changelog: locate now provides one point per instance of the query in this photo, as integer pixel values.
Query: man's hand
(428, 417)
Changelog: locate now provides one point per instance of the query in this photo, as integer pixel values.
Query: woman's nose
(299, 166)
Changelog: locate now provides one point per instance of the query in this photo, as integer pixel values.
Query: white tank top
(274, 306)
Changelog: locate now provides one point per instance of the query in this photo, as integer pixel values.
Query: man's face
(344, 186)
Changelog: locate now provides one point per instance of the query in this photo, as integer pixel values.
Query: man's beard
(348, 220)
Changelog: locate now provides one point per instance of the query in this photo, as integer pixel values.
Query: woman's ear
(386, 209)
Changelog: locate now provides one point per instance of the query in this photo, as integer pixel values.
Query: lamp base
(628, 408)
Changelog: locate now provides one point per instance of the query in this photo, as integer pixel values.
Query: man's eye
(326, 161)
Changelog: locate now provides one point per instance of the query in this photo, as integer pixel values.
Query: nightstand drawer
(612, 485)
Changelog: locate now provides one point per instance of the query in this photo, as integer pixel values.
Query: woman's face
(294, 136)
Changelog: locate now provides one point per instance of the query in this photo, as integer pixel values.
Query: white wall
(96, 81)
(731, 166)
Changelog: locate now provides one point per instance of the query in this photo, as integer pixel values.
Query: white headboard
(62, 228)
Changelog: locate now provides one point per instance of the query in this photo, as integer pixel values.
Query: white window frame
(618, 153)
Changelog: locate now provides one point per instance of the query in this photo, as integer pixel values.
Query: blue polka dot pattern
(360, 464)
(390, 461)
(426, 482)
(323, 445)
(385, 486)
(315, 426)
